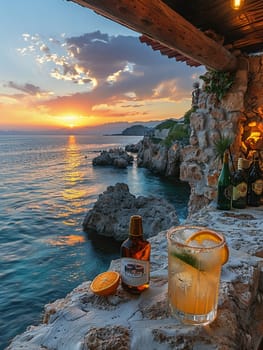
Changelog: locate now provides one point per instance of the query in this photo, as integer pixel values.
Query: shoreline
(43, 207)
(79, 318)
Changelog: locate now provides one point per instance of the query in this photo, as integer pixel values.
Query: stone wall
(212, 119)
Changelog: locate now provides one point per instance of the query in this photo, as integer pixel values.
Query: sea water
(47, 185)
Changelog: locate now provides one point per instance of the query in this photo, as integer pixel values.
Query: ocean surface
(47, 185)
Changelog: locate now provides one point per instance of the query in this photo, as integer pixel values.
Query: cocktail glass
(195, 257)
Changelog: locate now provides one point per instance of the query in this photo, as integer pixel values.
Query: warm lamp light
(236, 4)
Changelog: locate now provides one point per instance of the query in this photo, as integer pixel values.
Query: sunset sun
(72, 121)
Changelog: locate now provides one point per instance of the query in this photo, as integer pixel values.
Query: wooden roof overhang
(199, 32)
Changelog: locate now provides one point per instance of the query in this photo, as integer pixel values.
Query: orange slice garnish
(105, 283)
(207, 235)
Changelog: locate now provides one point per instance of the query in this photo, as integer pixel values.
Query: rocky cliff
(114, 157)
(160, 150)
(122, 321)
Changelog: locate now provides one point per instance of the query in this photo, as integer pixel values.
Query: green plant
(217, 82)
(221, 145)
(178, 132)
(155, 140)
(188, 114)
(167, 124)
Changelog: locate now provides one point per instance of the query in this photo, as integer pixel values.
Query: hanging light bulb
(237, 4)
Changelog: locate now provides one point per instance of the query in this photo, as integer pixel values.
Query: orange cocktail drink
(195, 257)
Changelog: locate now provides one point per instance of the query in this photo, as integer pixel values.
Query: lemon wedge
(208, 235)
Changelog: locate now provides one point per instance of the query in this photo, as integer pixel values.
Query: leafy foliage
(188, 114)
(217, 82)
(221, 145)
(155, 140)
(179, 132)
(167, 124)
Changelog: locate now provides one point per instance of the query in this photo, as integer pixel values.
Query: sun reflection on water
(67, 240)
(74, 193)
(72, 175)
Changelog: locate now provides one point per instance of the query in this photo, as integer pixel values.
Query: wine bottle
(135, 258)
(239, 180)
(255, 184)
(224, 186)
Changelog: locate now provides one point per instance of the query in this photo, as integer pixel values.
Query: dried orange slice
(203, 235)
(105, 283)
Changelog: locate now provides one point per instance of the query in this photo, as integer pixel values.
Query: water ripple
(47, 186)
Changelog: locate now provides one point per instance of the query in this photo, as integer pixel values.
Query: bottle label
(135, 272)
(228, 192)
(239, 191)
(257, 187)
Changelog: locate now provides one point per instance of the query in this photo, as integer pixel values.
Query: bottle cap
(136, 225)
(241, 163)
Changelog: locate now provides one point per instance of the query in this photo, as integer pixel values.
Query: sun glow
(72, 121)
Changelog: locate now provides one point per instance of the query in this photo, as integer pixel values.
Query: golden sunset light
(71, 121)
(70, 87)
(67, 240)
(123, 124)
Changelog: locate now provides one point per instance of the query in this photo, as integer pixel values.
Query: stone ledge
(84, 321)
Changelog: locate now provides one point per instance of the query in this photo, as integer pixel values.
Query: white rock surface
(122, 321)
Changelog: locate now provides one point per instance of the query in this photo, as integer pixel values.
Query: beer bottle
(224, 186)
(135, 258)
(255, 183)
(239, 180)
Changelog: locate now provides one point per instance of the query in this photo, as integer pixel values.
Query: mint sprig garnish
(188, 259)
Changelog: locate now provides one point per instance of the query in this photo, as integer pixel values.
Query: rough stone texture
(196, 163)
(84, 321)
(228, 117)
(158, 158)
(161, 134)
(116, 157)
(133, 148)
(110, 215)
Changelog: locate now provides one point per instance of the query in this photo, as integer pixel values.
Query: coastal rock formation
(111, 213)
(160, 149)
(236, 116)
(133, 148)
(123, 321)
(158, 158)
(116, 157)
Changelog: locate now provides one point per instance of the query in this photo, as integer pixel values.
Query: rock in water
(83, 320)
(116, 157)
(111, 213)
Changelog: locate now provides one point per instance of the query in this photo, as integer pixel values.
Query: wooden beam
(158, 21)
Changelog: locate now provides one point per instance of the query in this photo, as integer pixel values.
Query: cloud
(44, 48)
(28, 89)
(129, 66)
(102, 70)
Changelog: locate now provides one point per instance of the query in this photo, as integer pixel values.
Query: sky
(63, 65)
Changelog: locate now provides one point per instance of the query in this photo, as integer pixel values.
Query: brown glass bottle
(135, 258)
